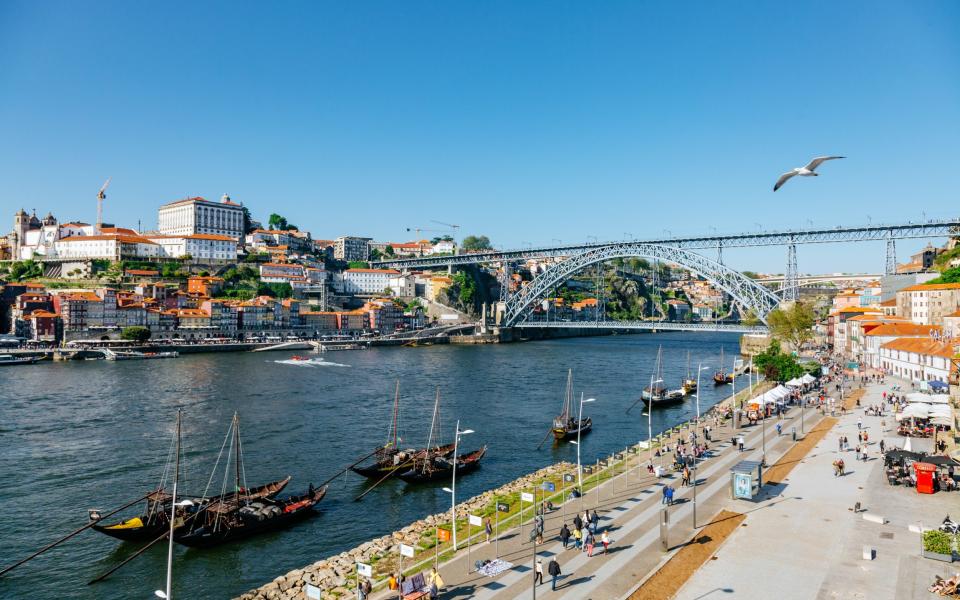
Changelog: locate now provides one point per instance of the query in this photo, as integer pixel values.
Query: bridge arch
(744, 290)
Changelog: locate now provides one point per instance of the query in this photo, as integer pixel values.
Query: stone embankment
(334, 574)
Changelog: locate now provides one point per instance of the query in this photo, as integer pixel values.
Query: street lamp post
(453, 489)
(577, 444)
(700, 369)
(650, 418)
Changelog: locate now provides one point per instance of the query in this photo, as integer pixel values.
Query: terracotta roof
(876, 318)
(890, 302)
(204, 278)
(77, 296)
(281, 265)
(42, 313)
(954, 314)
(902, 330)
(931, 287)
(927, 346)
(119, 230)
(860, 309)
(128, 239)
(147, 272)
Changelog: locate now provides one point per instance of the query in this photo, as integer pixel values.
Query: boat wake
(310, 362)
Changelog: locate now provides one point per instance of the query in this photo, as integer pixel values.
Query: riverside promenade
(630, 508)
(805, 541)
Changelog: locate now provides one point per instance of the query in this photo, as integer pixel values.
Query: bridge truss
(744, 290)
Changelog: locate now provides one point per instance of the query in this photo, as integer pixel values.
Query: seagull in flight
(807, 171)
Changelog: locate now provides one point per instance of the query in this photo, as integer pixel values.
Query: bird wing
(820, 160)
(783, 179)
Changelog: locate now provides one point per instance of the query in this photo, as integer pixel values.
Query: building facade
(198, 215)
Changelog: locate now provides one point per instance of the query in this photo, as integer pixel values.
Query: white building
(444, 247)
(197, 215)
(351, 248)
(201, 247)
(917, 359)
(112, 246)
(367, 281)
(403, 286)
(876, 337)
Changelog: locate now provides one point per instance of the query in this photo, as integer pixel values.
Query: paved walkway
(630, 510)
(806, 541)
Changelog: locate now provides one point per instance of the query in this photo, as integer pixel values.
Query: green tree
(777, 366)
(476, 242)
(793, 324)
(277, 222)
(389, 251)
(247, 220)
(135, 333)
(948, 275)
(375, 254)
(275, 290)
(358, 264)
(26, 269)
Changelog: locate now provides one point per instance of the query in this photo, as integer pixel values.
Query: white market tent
(916, 410)
(795, 382)
(771, 397)
(808, 378)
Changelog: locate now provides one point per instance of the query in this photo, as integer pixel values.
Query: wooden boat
(224, 521)
(689, 385)
(155, 519)
(438, 467)
(657, 392)
(390, 457)
(565, 425)
(721, 377)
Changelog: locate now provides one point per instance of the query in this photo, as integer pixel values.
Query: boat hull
(384, 467)
(568, 433)
(467, 463)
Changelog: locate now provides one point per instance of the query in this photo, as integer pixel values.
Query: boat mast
(568, 397)
(433, 422)
(173, 511)
(236, 459)
(396, 413)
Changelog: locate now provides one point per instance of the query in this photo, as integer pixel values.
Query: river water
(95, 434)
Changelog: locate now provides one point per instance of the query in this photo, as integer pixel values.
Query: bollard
(793, 430)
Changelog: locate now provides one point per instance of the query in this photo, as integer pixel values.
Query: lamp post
(453, 491)
(577, 444)
(650, 418)
(700, 368)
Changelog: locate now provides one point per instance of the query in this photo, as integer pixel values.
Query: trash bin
(793, 431)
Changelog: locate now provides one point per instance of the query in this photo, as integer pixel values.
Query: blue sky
(527, 122)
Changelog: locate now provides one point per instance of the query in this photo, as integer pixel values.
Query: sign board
(503, 507)
(644, 444)
(825, 370)
(618, 456)
(742, 486)
(633, 449)
(364, 569)
(526, 497)
(443, 535)
(548, 486)
(587, 470)
(406, 550)
(476, 521)
(603, 462)
(313, 592)
(568, 477)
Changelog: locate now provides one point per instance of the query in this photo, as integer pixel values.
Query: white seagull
(807, 171)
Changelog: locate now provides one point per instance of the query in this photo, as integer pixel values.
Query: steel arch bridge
(744, 290)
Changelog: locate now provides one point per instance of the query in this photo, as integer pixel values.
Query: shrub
(937, 541)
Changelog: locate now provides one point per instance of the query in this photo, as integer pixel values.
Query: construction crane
(101, 196)
(424, 229)
(451, 226)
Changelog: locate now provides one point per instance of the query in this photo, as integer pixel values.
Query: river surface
(96, 434)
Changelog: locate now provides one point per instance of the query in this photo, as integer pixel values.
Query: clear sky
(525, 121)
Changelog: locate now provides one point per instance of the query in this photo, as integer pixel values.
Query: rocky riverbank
(334, 574)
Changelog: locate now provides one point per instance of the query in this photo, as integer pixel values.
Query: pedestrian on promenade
(666, 494)
(564, 535)
(538, 573)
(865, 437)
(740, 443)
(365, 589)
(779, 429)
(577, 538)
(488, 529)
(859, 422)
(669, 495)
(605, 540)
(685, 480)
(882, 445)
(594, 520)
(859, 437)
(577, 521)
(840, 444)
(584, 537)
(841, 466)
(553, 568)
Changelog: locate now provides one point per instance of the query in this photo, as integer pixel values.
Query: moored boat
(8, 360)
(439, 467)
(565, 425)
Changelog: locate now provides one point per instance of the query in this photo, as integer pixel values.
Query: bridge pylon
(791, 283)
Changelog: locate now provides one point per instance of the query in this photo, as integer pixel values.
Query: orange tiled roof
(920, 345)
(860, 309)
(903, 330)
(385, 271)
(119, 237)
(146, 272)
(890, 302)
(931, 287)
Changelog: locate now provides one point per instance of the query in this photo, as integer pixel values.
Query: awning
(795, 382)
(928, 398)
(808, 378)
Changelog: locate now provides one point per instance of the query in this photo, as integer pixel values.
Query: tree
(248, 226)
(135, 333)
(477, 242)
(375, 254)
(277, 222)
(793, 324)
(358, 264)
(389, 251)
(948, 276)
(27, 269)
(777, 366)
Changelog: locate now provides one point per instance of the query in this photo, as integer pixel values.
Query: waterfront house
(879, 333)
(367, 281)
(927, 303)
(918, 359)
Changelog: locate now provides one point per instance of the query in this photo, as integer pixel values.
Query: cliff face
(471, 287)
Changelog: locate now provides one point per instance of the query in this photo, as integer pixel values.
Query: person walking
(779, 428)
(840, 444)
(538, 572)
(488, 529)
(882, 445)
(685, 479)
(577, 538)
(594, 520)
(564, 535)
(605, 540)
(666, 494)
(553, 569)
(669, 495)
(584, 537)
(740, 442)
(577, 521)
